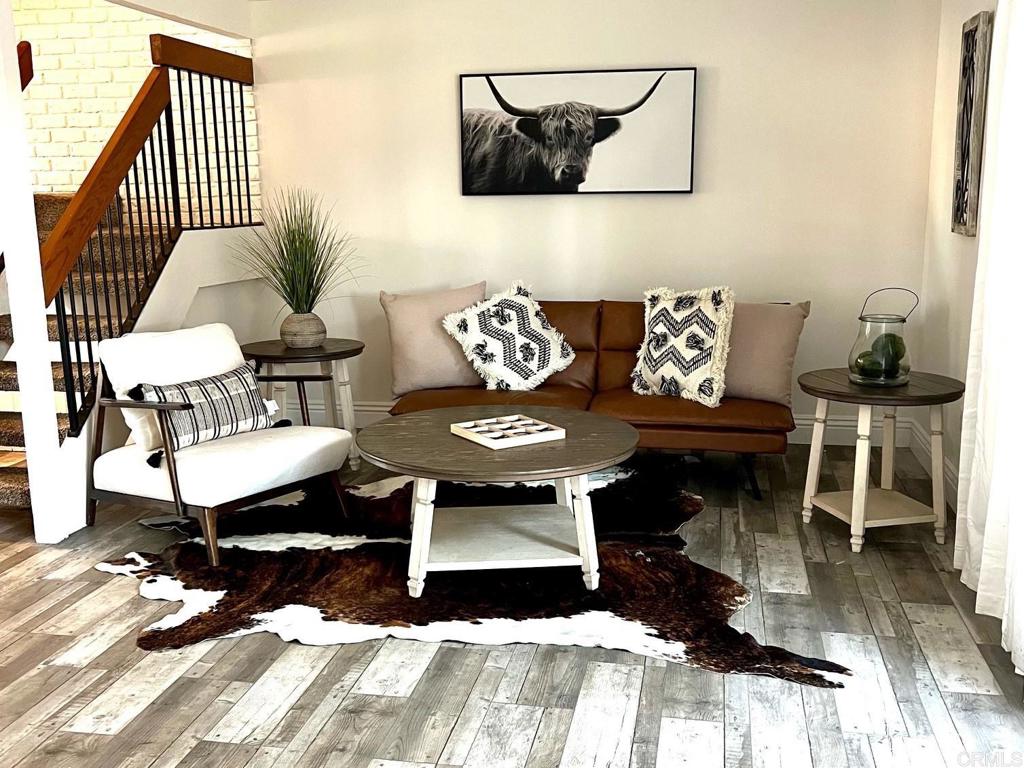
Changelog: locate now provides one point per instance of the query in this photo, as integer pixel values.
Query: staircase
(175, 162)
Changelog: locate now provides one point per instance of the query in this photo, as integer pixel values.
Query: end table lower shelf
(882, 507)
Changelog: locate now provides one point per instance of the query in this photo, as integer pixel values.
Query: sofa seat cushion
(731, 414)
(228, 469)
(560, 396)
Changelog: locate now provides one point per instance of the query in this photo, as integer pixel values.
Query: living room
(741, 319)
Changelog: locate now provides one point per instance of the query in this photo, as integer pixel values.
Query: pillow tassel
(155, 458)
(135, 393)
(281, 423)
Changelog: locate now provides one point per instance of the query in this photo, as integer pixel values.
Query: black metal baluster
(184, 146)
(172, 162)
(245, 153)
(95, 293)
(154, 194)
(74, 331)
(65, 358)
(114, 277)
(206, 149)
(195, 150)
(216, 150)
(161, 148)
(106, 283)
(227, 160)
(124, 258)
(234, 140)
(131, 234)
(85, 317)
(138, 209)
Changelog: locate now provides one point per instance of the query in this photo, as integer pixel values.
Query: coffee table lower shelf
(483, 538)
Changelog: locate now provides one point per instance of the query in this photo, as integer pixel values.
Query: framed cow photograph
(599, 131)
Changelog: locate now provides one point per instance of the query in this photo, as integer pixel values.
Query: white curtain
(990, 504)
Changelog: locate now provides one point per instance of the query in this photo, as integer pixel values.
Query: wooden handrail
(171, 52)
(72, 232)
(25, 63)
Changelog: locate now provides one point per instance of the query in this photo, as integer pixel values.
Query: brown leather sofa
(606, 336)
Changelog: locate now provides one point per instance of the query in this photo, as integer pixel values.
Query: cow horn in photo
(510, 108)
(630, 108)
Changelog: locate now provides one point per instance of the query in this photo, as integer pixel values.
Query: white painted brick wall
(90, 57)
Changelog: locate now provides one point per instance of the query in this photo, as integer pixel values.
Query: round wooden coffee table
(865, 507)
(525, 536)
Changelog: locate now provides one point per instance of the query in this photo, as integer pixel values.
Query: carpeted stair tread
(50, 206)
(9, 376)
(7, 331)
(14, 487)
(12, 433)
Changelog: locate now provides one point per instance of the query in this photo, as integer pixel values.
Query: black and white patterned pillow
(509, 341)
(686, 344)
(223, 405)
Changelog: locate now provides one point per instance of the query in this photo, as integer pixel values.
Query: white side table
(333, 356)
(865, 507)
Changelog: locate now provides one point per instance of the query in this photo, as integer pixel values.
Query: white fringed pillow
(686, 344)
(509, 341)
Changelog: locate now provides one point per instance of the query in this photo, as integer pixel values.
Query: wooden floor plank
(686, 743)
(955, 661)
(505, 736)
(603, 722)
(396, 669)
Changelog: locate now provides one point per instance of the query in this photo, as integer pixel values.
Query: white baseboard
(842, 430)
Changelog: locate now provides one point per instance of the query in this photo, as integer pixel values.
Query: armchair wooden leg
(748, 466)
(90, 512)
(208, 522)
(336, 485)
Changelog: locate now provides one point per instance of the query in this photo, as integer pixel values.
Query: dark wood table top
(421, 444)
(922, 389)
(276, 351)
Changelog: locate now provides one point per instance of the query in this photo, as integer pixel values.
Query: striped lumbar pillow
(223, 405)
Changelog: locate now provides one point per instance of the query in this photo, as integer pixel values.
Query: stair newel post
(65, 359)
(172, 161)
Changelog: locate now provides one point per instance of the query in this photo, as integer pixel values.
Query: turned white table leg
(861, 467)
(423, 520)
(330, 403)
(888, 446)
(585, 536)
(348, 415)
(814, 462)
(938, 475)
(563, 492)
(280, 390)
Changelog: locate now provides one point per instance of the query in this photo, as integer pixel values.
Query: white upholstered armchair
(201, 480)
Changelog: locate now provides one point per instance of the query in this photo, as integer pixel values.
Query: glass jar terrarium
(880, 357)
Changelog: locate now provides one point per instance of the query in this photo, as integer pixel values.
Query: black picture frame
(975, 52)
(467, 179)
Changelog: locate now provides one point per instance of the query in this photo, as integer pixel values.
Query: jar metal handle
(917, 299)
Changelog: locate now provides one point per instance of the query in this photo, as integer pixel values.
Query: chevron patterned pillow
(686, 344)
(509, 341)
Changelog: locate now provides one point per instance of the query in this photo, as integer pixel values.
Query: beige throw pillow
(763, 349)
(423, 356)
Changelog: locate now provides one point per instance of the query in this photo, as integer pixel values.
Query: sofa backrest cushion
(622, 330)
(579, 322)
(762, 344)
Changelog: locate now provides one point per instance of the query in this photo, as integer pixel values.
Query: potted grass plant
(302, 257)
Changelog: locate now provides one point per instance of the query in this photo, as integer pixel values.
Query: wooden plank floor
(932, 686)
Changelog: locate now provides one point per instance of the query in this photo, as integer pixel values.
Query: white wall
(950, 259)
(811, 163)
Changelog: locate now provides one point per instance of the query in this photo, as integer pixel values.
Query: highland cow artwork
(578, 132)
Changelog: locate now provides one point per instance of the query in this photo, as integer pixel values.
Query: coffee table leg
(563, 492)
(814, 462)
(861, 466)
(585, 529)
(938, 475)
(423, 519)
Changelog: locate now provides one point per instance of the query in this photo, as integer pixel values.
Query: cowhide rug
(311, 573)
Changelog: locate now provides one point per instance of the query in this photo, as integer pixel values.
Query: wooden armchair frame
(207, 516)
